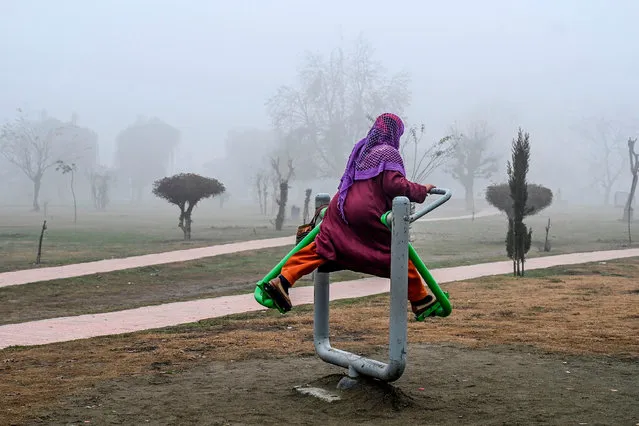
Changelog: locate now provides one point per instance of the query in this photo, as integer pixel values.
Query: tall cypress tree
(519, 237)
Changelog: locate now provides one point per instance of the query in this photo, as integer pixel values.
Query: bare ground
(558, 347)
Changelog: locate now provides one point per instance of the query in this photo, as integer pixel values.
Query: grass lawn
(115, 234)
(440, 244)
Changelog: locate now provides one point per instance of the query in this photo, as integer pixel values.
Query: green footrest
(437, 310)
(264, 299)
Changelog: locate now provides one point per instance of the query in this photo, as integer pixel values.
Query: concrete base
(347, 383)
(318, 392)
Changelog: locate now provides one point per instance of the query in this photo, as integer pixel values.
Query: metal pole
(321, 305)
(399, 283)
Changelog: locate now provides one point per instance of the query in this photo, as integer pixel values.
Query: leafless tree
(607, 157)
(261, 188)
(100, 183)
(424, 158)
(71, 169)
(327, 111)
(471, 158)
(283, 180)
(34, 146)
(633, 155)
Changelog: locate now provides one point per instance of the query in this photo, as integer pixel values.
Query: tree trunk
(516, 248)
(265, 198)
(259, 199)
(37, 181)
(281, 212)
(185, 221)
(547, 242)
(628, 210)
(470, 195)
(187, 227)
(307, 202)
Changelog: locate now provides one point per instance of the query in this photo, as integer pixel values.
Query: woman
(351, 235)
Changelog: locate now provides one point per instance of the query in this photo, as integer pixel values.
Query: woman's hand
(429, 187)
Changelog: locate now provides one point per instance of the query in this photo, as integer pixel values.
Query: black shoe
(278, 291)
(421, 306)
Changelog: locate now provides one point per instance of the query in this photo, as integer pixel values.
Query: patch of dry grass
(590, 309)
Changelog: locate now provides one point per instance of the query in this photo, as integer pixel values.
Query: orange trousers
(307, 260)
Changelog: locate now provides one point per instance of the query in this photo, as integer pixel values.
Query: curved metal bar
(387, 218)
(446, 194)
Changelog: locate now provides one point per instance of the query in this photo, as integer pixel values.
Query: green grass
(467, 242)
(116, 234)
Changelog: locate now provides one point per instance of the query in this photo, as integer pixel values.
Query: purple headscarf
(377, 152)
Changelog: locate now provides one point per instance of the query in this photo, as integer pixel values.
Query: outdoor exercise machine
(398, 220)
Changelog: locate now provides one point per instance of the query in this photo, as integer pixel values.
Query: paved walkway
(149, 317)
(26, 276)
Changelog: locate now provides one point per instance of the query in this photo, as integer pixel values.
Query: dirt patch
(442, 385)
(559, 349)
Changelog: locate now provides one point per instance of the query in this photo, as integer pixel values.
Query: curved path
(26, 276)
(149, 317)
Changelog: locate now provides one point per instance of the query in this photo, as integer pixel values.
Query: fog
(207, 68)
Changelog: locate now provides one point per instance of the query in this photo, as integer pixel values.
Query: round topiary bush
(539, 198)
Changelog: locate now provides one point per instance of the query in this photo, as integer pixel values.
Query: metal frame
(398, 220)
(356, 364)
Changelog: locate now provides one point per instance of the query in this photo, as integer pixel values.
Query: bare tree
(307, 203)
(274, 180)
(265, 194)
(258, 189)
(100, 182)
(34, 146)
(328, 109)
(425, 158)
(283, 180)
(65, 168)
(422, 158)
(471, 159)
(607, 157)
(634, 170)
(261, 187)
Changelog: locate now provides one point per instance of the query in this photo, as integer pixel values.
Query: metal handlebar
(446, 194)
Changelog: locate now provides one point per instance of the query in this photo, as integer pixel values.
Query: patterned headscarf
(377, 152)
